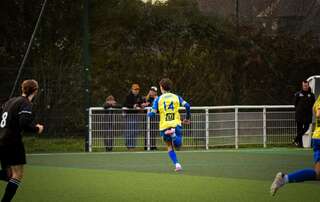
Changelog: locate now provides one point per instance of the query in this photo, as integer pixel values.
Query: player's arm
(26, 120)
(317, 108)
(154, 108)
(187, 107)
(318, 112)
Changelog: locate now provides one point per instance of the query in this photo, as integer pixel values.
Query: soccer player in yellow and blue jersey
(170, 122)
(305, 174)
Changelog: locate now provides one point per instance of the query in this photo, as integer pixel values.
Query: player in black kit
(16, 117)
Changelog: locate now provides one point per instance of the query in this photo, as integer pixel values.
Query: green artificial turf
(218, 175)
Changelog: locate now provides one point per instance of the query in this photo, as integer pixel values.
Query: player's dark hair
(29, 86)
(166, 84)
(305, 81)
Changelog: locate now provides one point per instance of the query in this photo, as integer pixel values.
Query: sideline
(262, 150)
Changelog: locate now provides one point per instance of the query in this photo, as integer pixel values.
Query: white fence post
(148, 131)
(90, 130)
(236, 127)
(264, 127)
(207, 128)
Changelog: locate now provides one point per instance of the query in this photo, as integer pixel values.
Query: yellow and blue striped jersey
(168, 107)
(316, 106)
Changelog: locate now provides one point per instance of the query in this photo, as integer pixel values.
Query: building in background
(296, 16)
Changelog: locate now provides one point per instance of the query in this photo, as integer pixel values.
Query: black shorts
(12, 155)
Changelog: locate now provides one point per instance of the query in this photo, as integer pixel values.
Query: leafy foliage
(210, 60)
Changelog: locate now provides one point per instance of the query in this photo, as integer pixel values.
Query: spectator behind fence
(152, 95)
(303, 102)
(110, 121)
(133, 102)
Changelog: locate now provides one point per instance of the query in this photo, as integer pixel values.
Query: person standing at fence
(133, 103)
(152, 95)
(16, 116)
(306, 174)
(303, 102)
(170, 121)
(110, 120)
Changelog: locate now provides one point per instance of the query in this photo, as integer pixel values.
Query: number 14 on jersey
(169, 107)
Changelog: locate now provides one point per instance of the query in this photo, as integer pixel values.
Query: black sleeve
(141, 100)
(129, 102)
(107, 105)
(296, 99)
(26, 120)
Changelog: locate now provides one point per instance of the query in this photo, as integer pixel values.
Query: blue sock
(302, 175)
(173, 157)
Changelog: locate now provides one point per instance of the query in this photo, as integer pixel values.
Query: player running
(306, 174)
(170, 123)
(16, 116)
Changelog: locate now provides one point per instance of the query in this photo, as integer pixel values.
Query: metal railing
(210, 127)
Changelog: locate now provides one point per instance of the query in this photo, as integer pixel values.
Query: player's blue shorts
(177, 141)
(316, 150)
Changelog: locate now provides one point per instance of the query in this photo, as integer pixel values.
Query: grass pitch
(219, 175)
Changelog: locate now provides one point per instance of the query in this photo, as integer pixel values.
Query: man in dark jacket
(303, 102)
(133, 103)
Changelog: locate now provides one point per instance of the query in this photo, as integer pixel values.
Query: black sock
(11, 189)
(3, 175)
